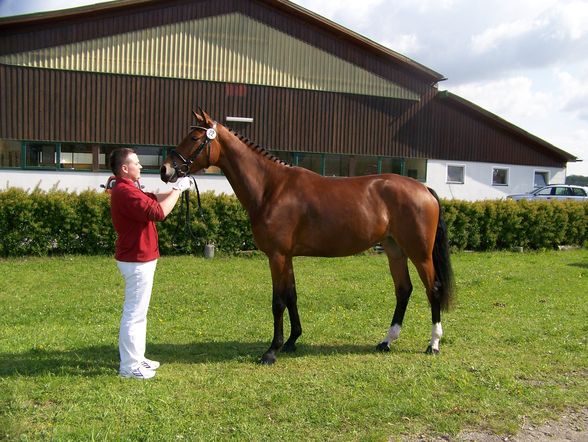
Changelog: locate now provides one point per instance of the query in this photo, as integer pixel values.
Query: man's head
(124, 163)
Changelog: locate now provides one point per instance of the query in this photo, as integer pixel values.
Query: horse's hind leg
(398, 264)
(295, 326)
(284, 295)
(426, 271)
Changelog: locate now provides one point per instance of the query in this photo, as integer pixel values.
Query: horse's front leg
(284, 295)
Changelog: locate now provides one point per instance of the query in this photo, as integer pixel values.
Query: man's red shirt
(134, 213)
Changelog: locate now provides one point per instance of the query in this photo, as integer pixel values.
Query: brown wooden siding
(51, 105)
(447, 130)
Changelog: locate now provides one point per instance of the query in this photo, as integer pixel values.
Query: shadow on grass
(582, 265)
(103, 360)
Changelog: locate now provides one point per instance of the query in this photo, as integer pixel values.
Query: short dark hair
(118, 157)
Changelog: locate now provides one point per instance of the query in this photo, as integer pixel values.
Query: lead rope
(188, 234)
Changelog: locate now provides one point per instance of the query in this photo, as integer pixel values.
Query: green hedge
(504, 224)
(56, 222)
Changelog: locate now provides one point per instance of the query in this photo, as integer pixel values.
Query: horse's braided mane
(257, 148)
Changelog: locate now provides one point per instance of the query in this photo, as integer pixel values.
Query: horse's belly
(336, 242)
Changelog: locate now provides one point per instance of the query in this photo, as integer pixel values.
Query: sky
(525, 60)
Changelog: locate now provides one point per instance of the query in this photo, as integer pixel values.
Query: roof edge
(506, 124)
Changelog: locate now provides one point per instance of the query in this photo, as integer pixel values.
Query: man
(134, 214)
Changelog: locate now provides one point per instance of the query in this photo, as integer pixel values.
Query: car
(557, 192)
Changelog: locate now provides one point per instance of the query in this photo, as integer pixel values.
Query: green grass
(514, 346)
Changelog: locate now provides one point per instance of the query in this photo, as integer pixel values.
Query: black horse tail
(444, 280)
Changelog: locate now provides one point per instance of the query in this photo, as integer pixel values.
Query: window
(541, 179)
(151, 157)
(364, 166)
(104, 156)
(311, 161)
(391, 165)
(40, 155)
(544, 192)
(337, 165)
(76, 157)
(9, 153)
(562, 191)
(499, 177)
(286, 157)
(455, 174)
(416, 168)
(576, 191)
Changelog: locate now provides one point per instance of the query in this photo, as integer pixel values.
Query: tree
(578, 180)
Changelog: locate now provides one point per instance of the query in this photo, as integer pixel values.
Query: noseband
(183, 169)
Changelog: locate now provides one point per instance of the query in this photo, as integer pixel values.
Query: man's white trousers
(133, 324)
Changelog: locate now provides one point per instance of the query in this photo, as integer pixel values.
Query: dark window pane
(541, 179)
(40, 155)
(9, 153)
(455, 174)
(336, 165)
(310, 161)
(392, 165)
(150, 157)
(417, 168)
(500, 177)
(364, 166)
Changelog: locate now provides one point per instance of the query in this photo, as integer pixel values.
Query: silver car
(554, 192)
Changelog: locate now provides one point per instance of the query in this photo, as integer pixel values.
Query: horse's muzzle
(168, 174)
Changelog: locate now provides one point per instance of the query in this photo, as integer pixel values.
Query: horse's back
(329, 216)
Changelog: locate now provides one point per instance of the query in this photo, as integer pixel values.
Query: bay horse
(296, 212)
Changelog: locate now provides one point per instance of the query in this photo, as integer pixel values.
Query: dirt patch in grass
(572, 426)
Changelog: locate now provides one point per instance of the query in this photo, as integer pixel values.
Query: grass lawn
(514, 346)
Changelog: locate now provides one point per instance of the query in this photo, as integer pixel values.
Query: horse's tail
(444, 281)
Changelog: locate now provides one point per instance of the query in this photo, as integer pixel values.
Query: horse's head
(198, 150)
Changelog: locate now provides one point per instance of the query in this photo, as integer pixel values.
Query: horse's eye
(194, 139)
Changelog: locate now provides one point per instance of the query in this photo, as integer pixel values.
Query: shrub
(55, 222)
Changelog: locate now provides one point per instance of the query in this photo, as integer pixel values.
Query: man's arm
(167, 201)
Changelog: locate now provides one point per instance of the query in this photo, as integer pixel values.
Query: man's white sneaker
(137, 373)
(151, 365)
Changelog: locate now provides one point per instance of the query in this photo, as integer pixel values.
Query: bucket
(209, 251)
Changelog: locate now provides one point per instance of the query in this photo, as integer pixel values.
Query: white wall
(478, 180)
(477, 186)
(80, 181)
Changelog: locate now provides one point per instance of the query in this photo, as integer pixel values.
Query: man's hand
(182, 184)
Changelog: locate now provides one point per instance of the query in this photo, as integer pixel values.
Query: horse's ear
(207, 118)
(198, 117)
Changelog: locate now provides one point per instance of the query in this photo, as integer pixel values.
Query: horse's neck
(246, 170)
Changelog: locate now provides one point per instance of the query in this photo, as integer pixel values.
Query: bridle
(183, 169)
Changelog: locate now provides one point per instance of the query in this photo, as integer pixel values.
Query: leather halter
(184, 168)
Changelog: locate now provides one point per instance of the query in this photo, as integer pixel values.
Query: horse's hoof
(431, 351)
(268, 359)
(383, 347)
(289, 347)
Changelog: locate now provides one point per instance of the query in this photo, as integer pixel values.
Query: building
(77, 83)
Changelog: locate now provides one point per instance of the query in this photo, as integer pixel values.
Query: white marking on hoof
(393, 333)
(436, 334)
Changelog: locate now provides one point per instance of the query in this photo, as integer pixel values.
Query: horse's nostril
(164, 174)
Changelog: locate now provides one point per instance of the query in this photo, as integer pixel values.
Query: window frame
(463, 168)
(507, 183)
(545, 173)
